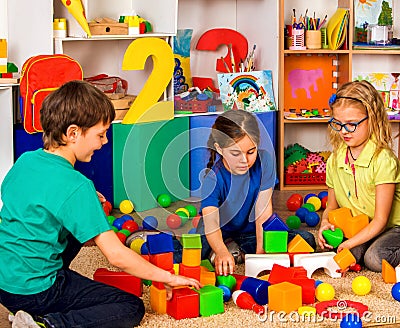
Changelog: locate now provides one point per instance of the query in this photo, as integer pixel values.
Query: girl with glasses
(363, 174)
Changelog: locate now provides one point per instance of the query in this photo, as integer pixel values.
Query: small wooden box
(122, 105)
(106, 26)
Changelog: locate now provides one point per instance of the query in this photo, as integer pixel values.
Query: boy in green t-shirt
(50, 209)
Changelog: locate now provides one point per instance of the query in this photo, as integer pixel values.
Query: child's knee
(373, 260)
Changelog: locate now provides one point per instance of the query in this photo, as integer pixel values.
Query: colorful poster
(378, 12)
(250, 91)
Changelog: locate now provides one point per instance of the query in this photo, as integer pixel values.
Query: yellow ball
(325, 292)
(136, 245)
(314, 201)
(126, 206)
(361, 285)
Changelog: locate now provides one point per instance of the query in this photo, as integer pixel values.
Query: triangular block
(299, 245)
(275, 223)
(388, 272)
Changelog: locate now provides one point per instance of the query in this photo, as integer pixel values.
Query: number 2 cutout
(146, 107)
(211, 40)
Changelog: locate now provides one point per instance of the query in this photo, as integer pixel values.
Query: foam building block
(355, 224)
(191, 256)
(299, 245)
(333, 238)
(185, 303)
(257, 288)
(397, 269)
(164, 261)
(275, 223)
(150, 159)
(256, 263)
(189, 240)
(160, 243)
(280, 273)
(307, 289)
(121, 280)
(344, 258)
(388, 272)
(207, 277)
(314, 261)
(3, 55)
(285, 297)
(158, 299)
(211, 300)
(339, 217)
(275, 241)
(190, 271)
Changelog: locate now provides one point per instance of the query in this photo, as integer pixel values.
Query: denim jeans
(246, 241)
(385, 246)
(77, 301)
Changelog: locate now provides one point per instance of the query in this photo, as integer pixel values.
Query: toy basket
(305, 178)
(194, 105)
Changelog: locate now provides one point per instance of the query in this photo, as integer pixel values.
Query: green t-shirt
(44, 199)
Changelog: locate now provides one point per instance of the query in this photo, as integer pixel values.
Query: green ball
(309, 206)
(293, 222)
(184, 217)
(126, 232)
(164, 200)
(192, 210)
(147, 282)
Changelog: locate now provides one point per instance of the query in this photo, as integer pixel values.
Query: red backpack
(40, 76)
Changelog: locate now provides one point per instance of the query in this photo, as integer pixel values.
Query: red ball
(298, 197)
(324, 201)
(130, 225)
(107, 207)
(121, 237)
(195, 221)
(293, 203)
(356, 267)
(174, 221)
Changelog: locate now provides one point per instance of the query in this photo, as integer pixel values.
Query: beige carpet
(383, 309)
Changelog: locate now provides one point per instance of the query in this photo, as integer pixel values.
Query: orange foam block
(344, 258)
(284, 296)
(299, 245)
(158, 299)
(191, 256)
(355, 224)
(207, 277)
(340, 217)
(388, 273)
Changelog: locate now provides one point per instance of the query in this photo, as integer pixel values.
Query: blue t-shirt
(236, 195)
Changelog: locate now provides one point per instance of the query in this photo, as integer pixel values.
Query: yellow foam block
(299, 245)
(388, 272)
(340, 217)
(191, 256)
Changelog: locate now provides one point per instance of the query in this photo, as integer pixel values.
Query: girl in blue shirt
(237, 190)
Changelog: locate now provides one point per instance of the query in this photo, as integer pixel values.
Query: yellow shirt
(357, 191)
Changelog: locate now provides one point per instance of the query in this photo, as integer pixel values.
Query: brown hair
(363, 95)
(230, 127)
(75, 102)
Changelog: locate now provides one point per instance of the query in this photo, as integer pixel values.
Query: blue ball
(322, 194)
(126, 217)
(301, 213)
(226, 292)
(396, 291)
(306, 197)
(144, 250)
(119, 222)
(150, 223)
(317, 282)
(312, 219)
(351, 320)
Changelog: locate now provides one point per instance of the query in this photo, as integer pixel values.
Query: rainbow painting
(250, 91)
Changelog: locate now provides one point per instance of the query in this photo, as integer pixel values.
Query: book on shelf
(337, 28)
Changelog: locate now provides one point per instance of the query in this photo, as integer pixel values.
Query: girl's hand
(177, 280)
(325, 225)
(224, 263)
(102, 199)
(260, 250)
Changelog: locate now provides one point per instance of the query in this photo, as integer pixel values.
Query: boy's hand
(177, 280)
(224, 263)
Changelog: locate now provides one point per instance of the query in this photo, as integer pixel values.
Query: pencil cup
(313, 39)
(297, 40)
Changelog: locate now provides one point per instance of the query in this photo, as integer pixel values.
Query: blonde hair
(363, 95)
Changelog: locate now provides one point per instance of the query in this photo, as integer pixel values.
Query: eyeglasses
(349, 127)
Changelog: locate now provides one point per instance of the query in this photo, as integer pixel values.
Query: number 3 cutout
(211, 40)
(146, 107)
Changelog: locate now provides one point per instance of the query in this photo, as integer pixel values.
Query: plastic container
(305, 178)
(297, 40)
